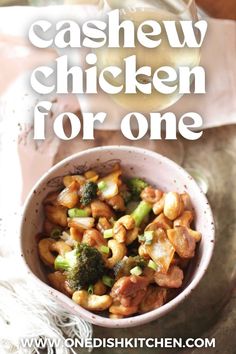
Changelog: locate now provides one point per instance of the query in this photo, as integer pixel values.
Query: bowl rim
(151, 315)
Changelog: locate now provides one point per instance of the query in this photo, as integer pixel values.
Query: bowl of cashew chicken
(117, 235)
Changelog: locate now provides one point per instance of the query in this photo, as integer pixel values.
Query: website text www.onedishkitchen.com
(41, 343)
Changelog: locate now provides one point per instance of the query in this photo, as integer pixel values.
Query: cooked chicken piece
(151, 195)
(155, 297)
(172, 279)
(101, 209)
(130, 290)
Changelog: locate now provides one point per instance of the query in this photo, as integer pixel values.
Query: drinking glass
(163, 55)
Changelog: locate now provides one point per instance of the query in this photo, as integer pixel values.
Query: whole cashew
(173, 205)
(93, 238)
(119, 232)
(120, 310)
(45, 253)
(187, 201)
(91, 176)
(121, 226)
(101, 209)
(118, 252)
(159, 206)
(131, 235)
(67, 180)
(127, 221)
(47, 246)
(115, 317)
(56, 214)
(151, 195)
(92, 302)
(60, 247)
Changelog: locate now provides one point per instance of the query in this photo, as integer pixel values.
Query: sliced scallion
(77, 213)
(90, 289)
(148, 235)
(102, 185)
(108, 233)
(152, 265)
(105, 249)
(108, 281)
(55, 233)
(141, 238)
(136, 271)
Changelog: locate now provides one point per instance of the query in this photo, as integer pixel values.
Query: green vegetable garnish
(142, 210)
(108, 233)
(152, 265)
(89, 192)
(148, 237)
(77, 213)
(126, 195)
(102, 185)
(105, 249)
(90, 289)
(84, 266)
(136, 186)
(108, 281)
(136, 271)
(55, 233)
(141, 238)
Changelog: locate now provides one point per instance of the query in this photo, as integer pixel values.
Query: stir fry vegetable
(117, 244)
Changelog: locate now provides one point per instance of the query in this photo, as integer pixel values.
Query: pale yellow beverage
(164, 55)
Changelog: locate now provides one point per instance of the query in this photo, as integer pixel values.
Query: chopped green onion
(148, 235)
(108, 281)
(55, 233)
(136, 271)
(152, 265)
(105, 249)
(77, 213)
(90, 289)
(108, 233)
(141, 238)
(141, 211)
(102, 185)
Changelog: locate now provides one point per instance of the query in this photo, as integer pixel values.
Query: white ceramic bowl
(156, 169)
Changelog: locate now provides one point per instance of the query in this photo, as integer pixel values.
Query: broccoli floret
(141, 211)
(136, 186)
(83, 266)
(89, 192)
(126, 195)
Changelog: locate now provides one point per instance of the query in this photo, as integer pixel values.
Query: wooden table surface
(219, 8)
